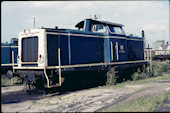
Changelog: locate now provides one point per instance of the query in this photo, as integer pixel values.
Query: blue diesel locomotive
(6, 54)
(45, 55)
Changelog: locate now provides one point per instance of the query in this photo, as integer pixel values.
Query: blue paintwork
(135, 50)
(6, 52)
(83, 50)
(87, 26)
(52, 49)
(5, 55)
(107, 48)
(69, 48)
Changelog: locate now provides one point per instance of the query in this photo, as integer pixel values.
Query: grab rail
(117, 51)
(111, 44)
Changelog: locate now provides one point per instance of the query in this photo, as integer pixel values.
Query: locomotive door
(114, 50)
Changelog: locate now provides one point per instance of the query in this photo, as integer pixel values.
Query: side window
(98, 28)
(118, 30)
(80, 29)
(115, 29)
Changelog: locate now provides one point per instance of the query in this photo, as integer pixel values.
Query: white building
(157, 44)
(163, 49)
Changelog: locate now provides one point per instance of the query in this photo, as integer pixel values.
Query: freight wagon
(46, 55)
(6, 55)
(162, 55)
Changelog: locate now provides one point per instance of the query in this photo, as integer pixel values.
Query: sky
(150, 16)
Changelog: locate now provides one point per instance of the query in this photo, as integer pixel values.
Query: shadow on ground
(10, 97)
(18, 96)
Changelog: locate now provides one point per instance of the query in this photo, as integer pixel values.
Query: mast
(34, 22)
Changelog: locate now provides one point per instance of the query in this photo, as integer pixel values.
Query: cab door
(114, 50)
(118, 50)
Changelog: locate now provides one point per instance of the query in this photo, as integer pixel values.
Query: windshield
(30, 49)
(98, 28)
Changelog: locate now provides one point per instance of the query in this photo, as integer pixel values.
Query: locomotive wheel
(30, 87)
(29, 82)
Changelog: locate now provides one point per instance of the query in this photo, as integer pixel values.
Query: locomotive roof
(81, 24)
(14, 42)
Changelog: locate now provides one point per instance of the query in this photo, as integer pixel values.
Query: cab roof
(81, 23)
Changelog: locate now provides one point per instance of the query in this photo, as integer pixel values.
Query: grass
(167, 105)
(122, 84)
(144, 104)
(142, 89)
(142, 73)
(160, 70)
(8, 82)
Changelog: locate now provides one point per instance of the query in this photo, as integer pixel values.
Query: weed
(111, 77)
(158, 68)
(142, 73)
(8, 82)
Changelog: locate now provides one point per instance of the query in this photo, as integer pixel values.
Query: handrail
(111, 44)
(117, 50)
(13, 61)
(29, 62)
(46, 77)
(59, 63)
(8, 64)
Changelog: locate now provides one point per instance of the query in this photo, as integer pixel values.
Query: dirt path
(14, 99)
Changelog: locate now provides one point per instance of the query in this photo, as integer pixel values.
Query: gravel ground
(15, 99)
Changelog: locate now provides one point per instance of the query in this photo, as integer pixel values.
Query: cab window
(118, 30)
(98, 28)
(115, 29)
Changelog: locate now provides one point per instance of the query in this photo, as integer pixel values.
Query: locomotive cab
(100, 26)
(31, 51)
